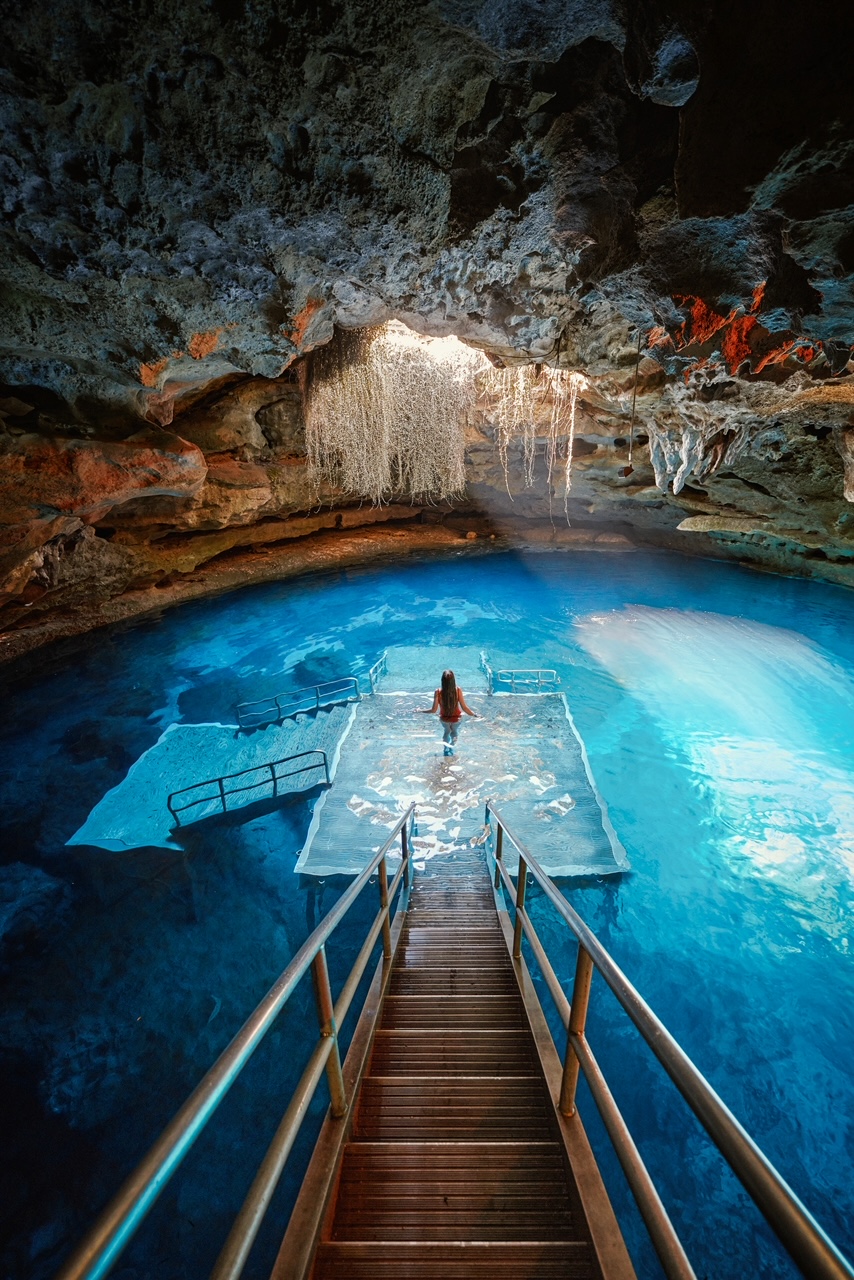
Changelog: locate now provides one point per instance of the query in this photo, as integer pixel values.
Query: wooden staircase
(454, 1168)
(452, 1147)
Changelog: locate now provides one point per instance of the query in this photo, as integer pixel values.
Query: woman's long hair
(448, 696)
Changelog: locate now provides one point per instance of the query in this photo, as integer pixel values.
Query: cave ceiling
(196, 194)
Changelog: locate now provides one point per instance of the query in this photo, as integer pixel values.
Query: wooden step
(421, 950)
(429, 980)
(478, 1012)
(453, 1225)
(469, 1260)
(435, 934)
(453, 1108)
(439, 1158)
(464, 1053)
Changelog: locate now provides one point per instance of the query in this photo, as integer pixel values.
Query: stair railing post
(383, 878)
(577, 1022)
(222, 795)
(499, 854)
(521, 885)
(326, 1016)
(274, 780)
(404, 853)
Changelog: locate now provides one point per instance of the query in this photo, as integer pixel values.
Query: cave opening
(386, 412)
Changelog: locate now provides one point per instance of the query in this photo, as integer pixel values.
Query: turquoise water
(717, 706)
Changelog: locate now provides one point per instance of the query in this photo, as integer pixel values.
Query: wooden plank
(391, 1183)
(536, 1260)
(449, 1156)
(408, 1232)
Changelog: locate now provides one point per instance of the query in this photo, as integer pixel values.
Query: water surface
(717, 706)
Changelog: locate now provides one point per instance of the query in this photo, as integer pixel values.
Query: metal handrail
(269, 710)
(805, 1241)
(102, 1246)
(222, 792)
(527, 675)
(538, 676)
(378, 670)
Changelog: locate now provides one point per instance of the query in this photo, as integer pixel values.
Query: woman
(450, 704)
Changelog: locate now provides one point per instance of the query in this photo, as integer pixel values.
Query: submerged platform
(134, 815)
(524, 752)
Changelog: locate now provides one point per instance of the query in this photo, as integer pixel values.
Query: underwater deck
(522, 747)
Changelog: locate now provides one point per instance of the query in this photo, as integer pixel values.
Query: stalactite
(564, 404)
(521, 396)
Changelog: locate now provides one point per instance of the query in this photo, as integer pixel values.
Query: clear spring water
(718, 710)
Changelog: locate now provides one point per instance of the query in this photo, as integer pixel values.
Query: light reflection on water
(717, 707)
(765, 720)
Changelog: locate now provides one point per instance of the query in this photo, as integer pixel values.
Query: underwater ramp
(523, 748)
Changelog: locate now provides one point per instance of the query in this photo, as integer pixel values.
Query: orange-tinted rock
(87, 478)
(50, 488)
(23, 548)
(204, 344)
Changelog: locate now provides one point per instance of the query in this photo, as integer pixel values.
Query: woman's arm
(428, 711)
(465, 706)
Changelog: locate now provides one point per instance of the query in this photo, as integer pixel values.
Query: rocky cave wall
(194, 196)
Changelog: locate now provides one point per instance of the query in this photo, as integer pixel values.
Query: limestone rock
(52, 487)
(235, 418)
(636, 192)
(223, 192)
(721, 524)
(845, 444)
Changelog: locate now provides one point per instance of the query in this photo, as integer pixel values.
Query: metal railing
(378, 670)
(524, 678)
(115, 1228)
(264, 711)
(804, 1240)
(267, 787)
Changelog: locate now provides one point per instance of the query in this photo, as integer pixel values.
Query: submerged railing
(522, 678)
(117, 1225)
(378, 670)
(804, 1240)
(261, 782)
(264, 711)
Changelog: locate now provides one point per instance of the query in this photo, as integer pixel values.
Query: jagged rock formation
(194, 197)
